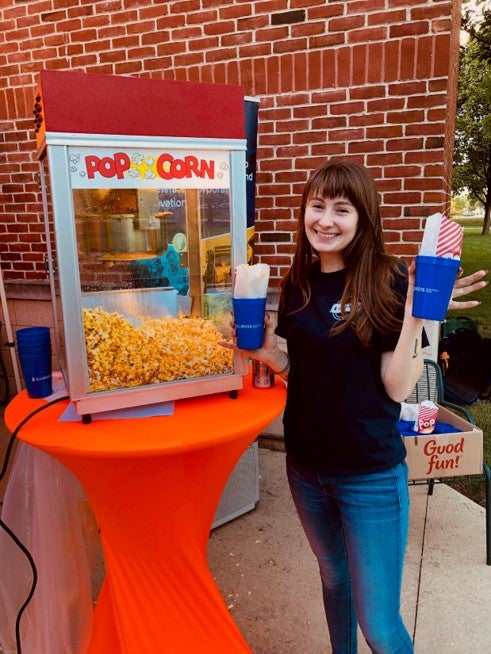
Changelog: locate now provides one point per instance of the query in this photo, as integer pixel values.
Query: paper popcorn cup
(426, 420)
(251, 281)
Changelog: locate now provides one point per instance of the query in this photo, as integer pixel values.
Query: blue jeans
(357, 528)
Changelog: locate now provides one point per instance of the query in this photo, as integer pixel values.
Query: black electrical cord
(33, 585)
(9, 531)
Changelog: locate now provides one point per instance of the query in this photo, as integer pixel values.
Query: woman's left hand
(466, 285)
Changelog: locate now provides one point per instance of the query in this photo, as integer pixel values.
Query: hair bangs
(334, 182)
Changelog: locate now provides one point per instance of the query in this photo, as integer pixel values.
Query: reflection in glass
(155, 274)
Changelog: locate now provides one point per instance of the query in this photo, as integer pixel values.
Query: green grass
(476, 254)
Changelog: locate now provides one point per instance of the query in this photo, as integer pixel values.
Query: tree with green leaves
(472, 153)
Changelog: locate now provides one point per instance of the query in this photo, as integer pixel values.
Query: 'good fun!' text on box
(446, 455)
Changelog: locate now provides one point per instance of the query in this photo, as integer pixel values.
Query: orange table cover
(154, 484)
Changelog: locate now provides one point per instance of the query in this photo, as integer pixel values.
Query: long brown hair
(369, 268)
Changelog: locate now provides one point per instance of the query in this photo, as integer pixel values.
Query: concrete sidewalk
(268, 575)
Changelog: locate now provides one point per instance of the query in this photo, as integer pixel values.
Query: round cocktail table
(154, 484)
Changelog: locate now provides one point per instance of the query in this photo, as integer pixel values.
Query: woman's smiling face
(330, 226)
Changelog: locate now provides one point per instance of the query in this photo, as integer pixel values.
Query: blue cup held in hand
(249, 322)
(435, 277)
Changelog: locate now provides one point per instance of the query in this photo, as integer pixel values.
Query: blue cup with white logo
(34, 351)
(249, 322)
(36, 370)
(435, 278)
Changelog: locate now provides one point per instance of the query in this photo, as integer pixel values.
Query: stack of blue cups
(34, 351)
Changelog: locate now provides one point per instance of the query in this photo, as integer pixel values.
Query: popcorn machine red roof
(143, 185)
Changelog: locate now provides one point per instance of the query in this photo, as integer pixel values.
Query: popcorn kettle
(144, 198)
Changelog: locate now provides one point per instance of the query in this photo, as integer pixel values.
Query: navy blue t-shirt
(338, 417)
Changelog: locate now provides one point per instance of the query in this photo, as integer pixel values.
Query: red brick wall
(371, 80)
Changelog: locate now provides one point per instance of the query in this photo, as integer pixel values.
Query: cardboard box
(446, 455)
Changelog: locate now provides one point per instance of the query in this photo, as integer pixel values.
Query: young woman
(354, 353)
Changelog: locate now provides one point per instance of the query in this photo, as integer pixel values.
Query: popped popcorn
(166, 349)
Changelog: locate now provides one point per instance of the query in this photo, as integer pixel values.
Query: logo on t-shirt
(335, 310)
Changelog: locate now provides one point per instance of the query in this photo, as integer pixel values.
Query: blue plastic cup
(34, 351)
(36, 370)
(435, 278)
(29, 335)
(249, 322)
(32, 348)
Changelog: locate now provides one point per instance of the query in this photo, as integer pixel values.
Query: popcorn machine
(144, 199)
